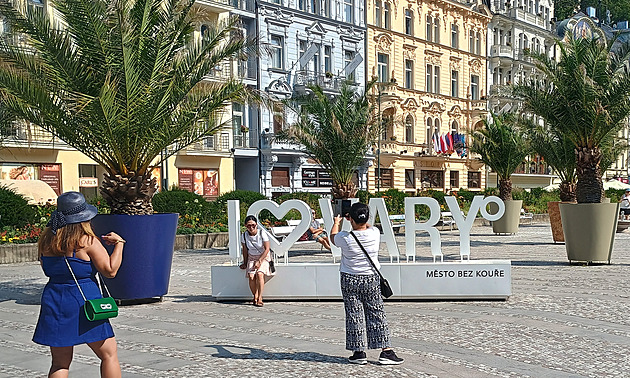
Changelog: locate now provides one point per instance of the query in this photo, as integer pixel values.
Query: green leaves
(337, 131)
(501, 145)
(122, 79)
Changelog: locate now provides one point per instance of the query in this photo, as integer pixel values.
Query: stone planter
(17, 253)
(200, 241)
(553, 208)
(508, 224)
(589, 230)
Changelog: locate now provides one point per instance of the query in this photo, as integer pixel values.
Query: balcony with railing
(246, 5)
(326, 81)
(532, 19)
(219, 142)
(22, 134)
(247, 69)
(502, 51)
(220, 72)
(246, 140)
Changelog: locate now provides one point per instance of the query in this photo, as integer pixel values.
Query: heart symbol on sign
(278, 211)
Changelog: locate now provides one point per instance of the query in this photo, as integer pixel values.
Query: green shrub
(14, 209)
(466, 195)
(101, 204)
(218, 207)
(193, 209)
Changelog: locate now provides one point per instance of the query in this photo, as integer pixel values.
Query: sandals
(258, 304)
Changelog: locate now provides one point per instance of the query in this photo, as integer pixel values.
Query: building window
(383, 68)
(280, 177)
(436, 30)
(314, 6)
(278, 118)
(348, 10)
(409, 129)
(302, 5)
(388, 16)
(478, 43)
(410, 178)
(387, 178)
(429, 81)
(437, 125)
(454, 127)
(454, 36)
(328, 59)
(348, 57)
(436, 79)
(454, 179)
(277, 54)
(454, 84)
(408, 22)
(474, 87)
(377, 14)
(471, 42)
(474, 180)
(409, 74)
(89, 188)
(433, 179)
(429, 28)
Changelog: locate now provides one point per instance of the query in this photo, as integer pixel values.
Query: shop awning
(37, 192)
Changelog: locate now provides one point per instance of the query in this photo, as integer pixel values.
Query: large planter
(589, 230)
(508, 224)
(146, 265)
(553, 208)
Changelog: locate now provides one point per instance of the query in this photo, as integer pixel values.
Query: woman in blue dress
(69, 242)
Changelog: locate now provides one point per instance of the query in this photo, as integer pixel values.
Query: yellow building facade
(429, 58)
(207, 167)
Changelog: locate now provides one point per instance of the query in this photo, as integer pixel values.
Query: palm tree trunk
(130, 194)
(589, 188)
(343, 191)
(567, 191)
(505, 189)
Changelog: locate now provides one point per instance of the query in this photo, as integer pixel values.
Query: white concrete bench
(397, 221)
(281, 232)
(526, 216)
(447, 219)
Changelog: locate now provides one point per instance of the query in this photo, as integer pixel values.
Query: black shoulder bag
(386, 290)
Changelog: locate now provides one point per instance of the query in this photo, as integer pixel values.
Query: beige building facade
(430, 60)
(207, 167)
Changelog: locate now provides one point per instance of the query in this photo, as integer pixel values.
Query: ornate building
(310, 42)
(518, 26)
(430, 60)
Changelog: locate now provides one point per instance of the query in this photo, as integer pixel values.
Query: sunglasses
(251, 225)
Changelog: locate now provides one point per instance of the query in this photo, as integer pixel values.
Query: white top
(254, 243)
(625, 201)
(353, 260)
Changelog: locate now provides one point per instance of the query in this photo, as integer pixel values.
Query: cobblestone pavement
(561, 321)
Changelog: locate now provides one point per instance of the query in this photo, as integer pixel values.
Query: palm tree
(585, 97)
(502, 146)
(121, 81)
(336, 131)
(558, 152)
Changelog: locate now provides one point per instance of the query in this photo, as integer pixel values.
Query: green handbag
(100, 308)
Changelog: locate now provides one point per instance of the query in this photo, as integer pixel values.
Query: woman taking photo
(256, 258)
(360, 288)
(68, 242)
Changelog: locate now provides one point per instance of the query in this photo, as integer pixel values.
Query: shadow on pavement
(259, 354)
(26, 291)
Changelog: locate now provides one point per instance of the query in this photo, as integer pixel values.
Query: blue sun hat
(71, 208)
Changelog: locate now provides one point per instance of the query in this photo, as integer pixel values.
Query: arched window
(454, 127)
(437, 125)
(409, 129)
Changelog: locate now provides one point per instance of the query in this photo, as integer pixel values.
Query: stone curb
(17, 253)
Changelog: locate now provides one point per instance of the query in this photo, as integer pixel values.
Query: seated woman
(256, 257)
(317, 232)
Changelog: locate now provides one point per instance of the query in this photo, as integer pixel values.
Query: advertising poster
(51, 175)
(203, 182)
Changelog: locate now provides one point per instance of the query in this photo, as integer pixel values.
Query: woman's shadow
(259, 354)
(24, 291)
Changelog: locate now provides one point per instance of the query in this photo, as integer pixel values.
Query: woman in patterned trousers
(360, 288)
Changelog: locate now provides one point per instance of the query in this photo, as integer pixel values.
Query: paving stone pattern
(561, 321)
